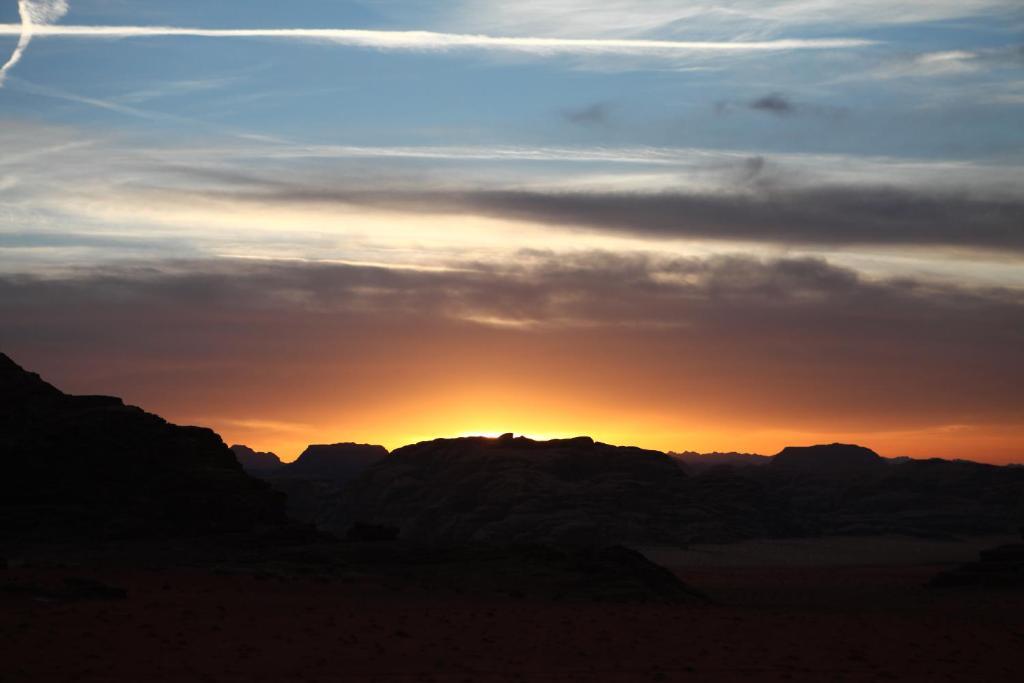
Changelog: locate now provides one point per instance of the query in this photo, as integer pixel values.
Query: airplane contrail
(434, 41)
(38, 19)
(35, 14)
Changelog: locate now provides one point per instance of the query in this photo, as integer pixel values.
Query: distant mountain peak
(339, 462)
(837, 458)
(256, 462)
(699, 462)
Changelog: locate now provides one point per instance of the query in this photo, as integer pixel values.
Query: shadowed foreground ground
(784, 620)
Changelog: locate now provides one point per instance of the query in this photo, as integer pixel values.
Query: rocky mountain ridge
(93, 466)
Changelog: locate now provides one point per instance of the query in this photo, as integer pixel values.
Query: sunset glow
(670, 225)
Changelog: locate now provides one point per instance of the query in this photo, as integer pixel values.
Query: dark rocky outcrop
(834, 460)
(1000, 567)
(90, 466)
(857, 493)
(570, 491)
(339, 463)
(319, 474)
(695, 462)
(256, 463)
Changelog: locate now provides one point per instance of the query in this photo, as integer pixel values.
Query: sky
(684, 225)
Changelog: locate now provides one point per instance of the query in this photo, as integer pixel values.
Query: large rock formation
(834, 460)
(851, 490)
(90, 466)
(518, 490)
(319, 474)
(256, 463)
(578, 491)
(339, 463)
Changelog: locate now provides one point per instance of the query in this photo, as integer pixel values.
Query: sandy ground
(859, 617)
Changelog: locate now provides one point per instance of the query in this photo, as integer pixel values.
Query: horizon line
(536, 438)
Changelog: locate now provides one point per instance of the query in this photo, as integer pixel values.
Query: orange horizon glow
(285, 410)
(654, 434)
(386, 387)
(632, 415)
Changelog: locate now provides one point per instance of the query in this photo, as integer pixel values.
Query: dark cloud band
(766, 336)
(827, 216)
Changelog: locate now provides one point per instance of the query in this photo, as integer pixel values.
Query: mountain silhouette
(518, 490)
(256, 463)
(339, 463)
(90, 466)
(692, 461)
(850, 490)
(834, 459)
(578, 491)
(315, 477)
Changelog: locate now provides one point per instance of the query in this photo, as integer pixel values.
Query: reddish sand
(772, 624)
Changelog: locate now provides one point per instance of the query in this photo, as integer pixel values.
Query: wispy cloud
(707, 17)
(265, 425)
(949, 63)
(418, 205)
(174, 88)
(954, 62)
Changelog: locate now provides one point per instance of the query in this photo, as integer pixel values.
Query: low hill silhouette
(91, 466)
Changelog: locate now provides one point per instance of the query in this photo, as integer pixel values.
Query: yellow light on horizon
(488, 434)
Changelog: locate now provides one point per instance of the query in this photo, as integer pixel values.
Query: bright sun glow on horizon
(493, 434)
(923, 443)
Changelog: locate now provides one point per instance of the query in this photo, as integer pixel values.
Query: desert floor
(826, 610)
